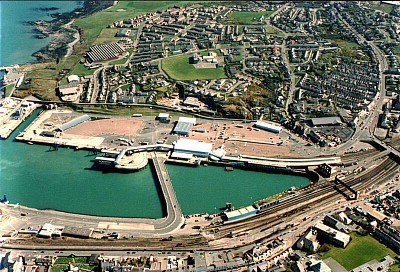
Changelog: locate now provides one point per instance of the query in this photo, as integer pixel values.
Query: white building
(73, 79)
(200, 149)
(268, 127)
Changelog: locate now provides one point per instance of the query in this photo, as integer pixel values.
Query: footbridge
(143, 148)
(174, 217)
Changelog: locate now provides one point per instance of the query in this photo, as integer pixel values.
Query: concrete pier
(9, 124)
(174, 217)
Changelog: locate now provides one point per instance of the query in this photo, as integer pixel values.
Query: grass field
(94, 24)
(8, 90)
(396, 50)
(247, 17)
(107, 35)
(348, 49)
(382, 7)
(82, 70)
(179, 68)
(270, 30)
(59, 268)
(359, 251)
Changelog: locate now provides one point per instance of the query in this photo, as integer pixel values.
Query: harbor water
(207, 189)
(35, 176)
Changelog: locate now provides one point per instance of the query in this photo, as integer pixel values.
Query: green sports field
(179, 68)
(360, 250)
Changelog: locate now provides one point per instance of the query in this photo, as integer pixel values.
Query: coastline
(62, 32)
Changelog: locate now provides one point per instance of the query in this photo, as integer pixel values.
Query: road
(174, 217)
(366, 130)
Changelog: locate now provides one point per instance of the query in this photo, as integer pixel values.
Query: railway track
(358, 155)
(272, 216)
(395, 143)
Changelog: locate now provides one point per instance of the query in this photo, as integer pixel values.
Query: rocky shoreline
(61, 31)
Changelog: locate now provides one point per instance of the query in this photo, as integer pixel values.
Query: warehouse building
(199, 149)
(74, 122)
(240, 213)
(77, 232)
(268, 127)
(184, 125)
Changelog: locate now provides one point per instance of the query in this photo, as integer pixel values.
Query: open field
(396, 50)
(82, 70)
(247, 17)
(382, 7)
(8, 90)
(107, 35)
(270, 30)
(94, 24)
(114, 126)
(348, 49)
(359, 251)
(179, 68)
(234, 137)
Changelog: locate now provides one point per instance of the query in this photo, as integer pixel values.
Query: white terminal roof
(187, 120)
(268, 126)
(181, 155)
(192, 146)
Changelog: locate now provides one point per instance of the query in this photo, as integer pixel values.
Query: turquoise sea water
(17, 42)
(62, 180)
(207, 189)
(34, 176)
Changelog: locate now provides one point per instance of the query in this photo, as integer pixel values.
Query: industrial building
(199, 149)
(74, 122)
(240, 213)
(269, 127)
(184, 125)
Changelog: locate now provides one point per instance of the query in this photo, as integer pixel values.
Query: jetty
(15, 116)
(174, 217)
(5, 68)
